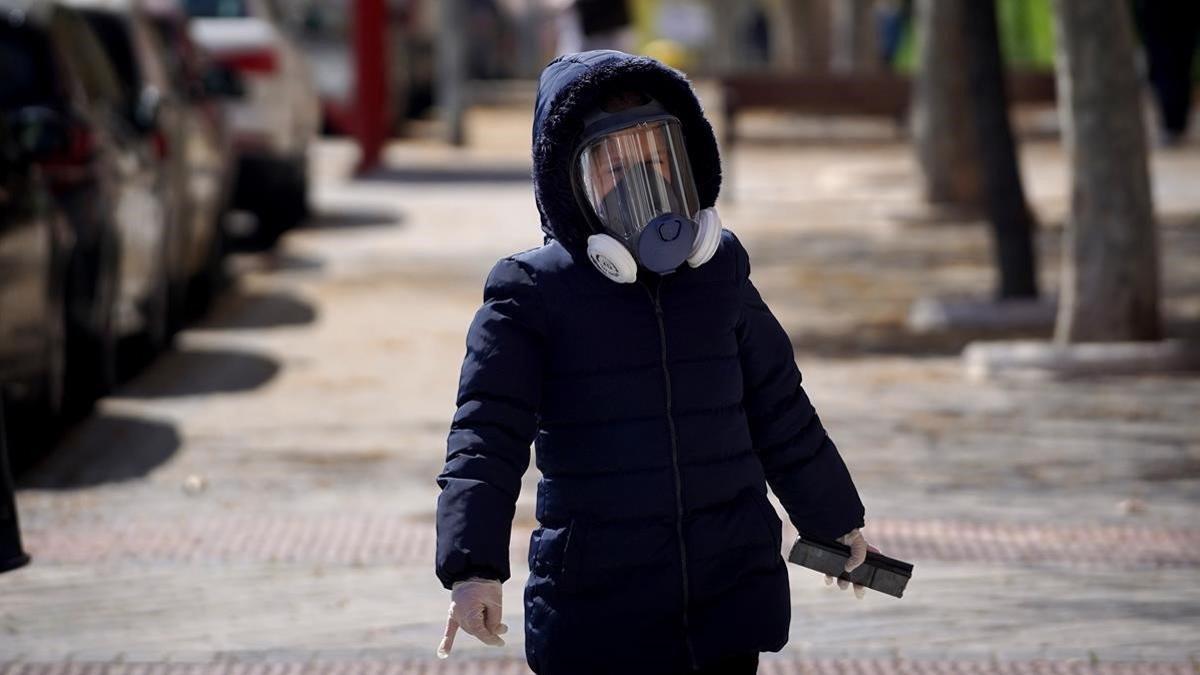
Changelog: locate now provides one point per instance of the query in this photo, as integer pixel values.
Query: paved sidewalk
(261, 500)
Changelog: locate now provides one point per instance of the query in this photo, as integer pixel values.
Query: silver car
(277, 116)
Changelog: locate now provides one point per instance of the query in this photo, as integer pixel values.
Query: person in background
(1171, 33)
(594, 24)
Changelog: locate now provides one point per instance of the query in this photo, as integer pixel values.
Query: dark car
(35, 241)
(58, 349)
(107, 180)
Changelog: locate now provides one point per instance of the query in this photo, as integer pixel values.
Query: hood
(569, 87)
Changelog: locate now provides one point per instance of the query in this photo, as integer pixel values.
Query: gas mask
(634, 182)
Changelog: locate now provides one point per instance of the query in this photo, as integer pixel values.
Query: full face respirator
(634, 182)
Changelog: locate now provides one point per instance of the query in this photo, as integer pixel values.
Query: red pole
(371, 80)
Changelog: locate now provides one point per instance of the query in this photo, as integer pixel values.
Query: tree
(947, 147)
(805, 33)
(1110, 261)
(1003, 195)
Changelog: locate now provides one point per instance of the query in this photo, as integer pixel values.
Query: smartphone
(877, 572)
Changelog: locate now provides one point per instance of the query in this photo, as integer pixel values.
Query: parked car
(323, 28)
(106, 180)
(202, 154)
(157, 118)
(35, 241)
(275, 120)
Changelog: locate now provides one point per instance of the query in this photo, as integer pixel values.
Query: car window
(85, 58)
(154, 54)
(172, 48)
(115, 38)
(26, 68)
(216, 9)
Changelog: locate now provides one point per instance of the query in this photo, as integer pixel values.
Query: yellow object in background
(669, 52)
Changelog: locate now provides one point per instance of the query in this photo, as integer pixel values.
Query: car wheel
(205, 286)
(55, 382)
(275, 191)
(177, 289)
(137, 351)
(41, 416)
(91, 332)
(290, 206)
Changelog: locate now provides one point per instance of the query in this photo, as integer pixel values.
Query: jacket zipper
(662, 338)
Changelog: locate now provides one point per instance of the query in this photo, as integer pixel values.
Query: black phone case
(878, 572)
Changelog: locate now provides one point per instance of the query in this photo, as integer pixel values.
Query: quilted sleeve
(496, 420)
(802, 465)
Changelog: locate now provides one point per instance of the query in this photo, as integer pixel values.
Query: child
(661, 392)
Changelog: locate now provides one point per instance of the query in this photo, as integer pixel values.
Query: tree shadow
(198, 372)
(103, 449)
(340, 219)
(241, 310)
(290, 262)
(271, 262)
(896, 339)
(865, 340)
(1182, 329)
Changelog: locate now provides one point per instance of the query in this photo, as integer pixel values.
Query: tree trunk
(947, 148)
(854, 44)
(1110, 260)
(808, 25)
(1004, 197)
(452, 69)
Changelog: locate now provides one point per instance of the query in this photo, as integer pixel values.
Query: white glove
(858, 553)
(475, 606)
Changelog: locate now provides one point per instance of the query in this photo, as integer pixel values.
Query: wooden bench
(865, 94)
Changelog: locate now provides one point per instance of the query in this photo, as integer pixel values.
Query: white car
(274, 114)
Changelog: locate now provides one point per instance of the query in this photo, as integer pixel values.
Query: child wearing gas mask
(660, 392)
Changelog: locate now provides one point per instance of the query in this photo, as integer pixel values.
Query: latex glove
(475, 606)
(858, 554)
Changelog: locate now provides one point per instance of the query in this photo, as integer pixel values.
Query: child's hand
(858, 553)
(475, 605)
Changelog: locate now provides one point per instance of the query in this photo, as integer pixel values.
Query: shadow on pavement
(195, 372)
(241, 310)
(895, 339)
(104, 449)
(1182, 329)
(337, 219)
(273, 262)
(465, 174)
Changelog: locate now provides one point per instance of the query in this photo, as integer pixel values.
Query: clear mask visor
(633, 175)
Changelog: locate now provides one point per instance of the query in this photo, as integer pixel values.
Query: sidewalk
(264, 495)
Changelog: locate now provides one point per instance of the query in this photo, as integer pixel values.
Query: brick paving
(768, 666)
(376, 539)
(261, 500)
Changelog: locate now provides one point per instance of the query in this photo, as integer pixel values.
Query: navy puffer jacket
(660, 410)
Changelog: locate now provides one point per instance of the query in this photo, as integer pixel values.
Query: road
(264, 494)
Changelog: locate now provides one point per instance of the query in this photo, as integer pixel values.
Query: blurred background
(241, 242)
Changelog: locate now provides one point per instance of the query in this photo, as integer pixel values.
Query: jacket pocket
(554, 554)
(770, 518)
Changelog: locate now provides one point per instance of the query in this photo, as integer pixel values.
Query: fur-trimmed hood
(571, 85)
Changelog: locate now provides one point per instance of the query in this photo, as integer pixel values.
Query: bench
(865, 94)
